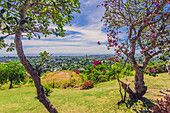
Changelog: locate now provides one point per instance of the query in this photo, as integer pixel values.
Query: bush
(162, 106)
(47, 89)
(88, 85)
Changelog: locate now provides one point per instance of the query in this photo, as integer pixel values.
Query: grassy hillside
(101, 99)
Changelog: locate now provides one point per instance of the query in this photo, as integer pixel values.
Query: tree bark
(140, 87)
(34, 74)
(29, 68)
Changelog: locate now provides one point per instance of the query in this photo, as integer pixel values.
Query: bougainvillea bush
(156, 67)
(101, 72)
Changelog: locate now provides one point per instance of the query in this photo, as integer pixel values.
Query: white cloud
(79, 43)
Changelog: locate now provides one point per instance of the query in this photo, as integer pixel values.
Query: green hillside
(101, 99)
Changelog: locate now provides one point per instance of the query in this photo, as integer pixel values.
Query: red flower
(99, 43)
(112, 31)
(105, 5)
(94, 66)
(77, 72)
(144, 20)
(152, 36)
(157, 3)
(117, 60)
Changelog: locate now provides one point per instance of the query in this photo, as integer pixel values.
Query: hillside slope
(101, 99)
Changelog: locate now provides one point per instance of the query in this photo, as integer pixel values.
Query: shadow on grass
(139, 106)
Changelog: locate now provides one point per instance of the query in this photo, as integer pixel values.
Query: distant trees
(12, 72)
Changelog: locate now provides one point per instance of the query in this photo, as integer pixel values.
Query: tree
(146, 23)
(29, 18)
(12, 72)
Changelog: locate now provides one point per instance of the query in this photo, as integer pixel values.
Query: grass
(101, 99)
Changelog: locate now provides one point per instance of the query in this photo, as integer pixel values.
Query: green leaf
(1, 38)
(2, 11)
(10, 18)
(9, 5)
(23, 22)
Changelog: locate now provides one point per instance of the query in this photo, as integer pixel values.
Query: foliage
(162, 106)
(13, 72)
(102, 98)
(38, 18)
(88, 85)
(101, 72)
(47, 89)
(145, 26)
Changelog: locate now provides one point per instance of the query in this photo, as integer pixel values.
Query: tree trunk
(140, 87)
(34, 74)
(10, 84)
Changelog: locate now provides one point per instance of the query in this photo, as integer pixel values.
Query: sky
(81, 38)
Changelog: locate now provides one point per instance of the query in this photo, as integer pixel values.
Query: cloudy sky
(81, 38)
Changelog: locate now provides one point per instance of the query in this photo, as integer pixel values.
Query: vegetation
(13, 72)
(162, 106)
(33, 18)
(147, 27)
(102, 98)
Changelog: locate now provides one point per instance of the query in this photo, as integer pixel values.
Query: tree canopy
(12, 72)
(145, 26)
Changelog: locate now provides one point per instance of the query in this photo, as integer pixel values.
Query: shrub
(162, 106)
(88, 85)
(47, 89)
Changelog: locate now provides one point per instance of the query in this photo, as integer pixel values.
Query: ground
(101, 99)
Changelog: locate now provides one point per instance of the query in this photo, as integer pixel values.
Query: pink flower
(99, 43)
(144, 20)
(119, 56)
(154, 2)
(112, 31)
(113, 57)
(120, 31)
(114, 49)
(117, 60)
(117, 53)
(121, 62)
(105, 5)
(118, 46)
(77, 72)
(152, 36)
(94, 66)
(169, 2)
(107, 34)
(157, 3)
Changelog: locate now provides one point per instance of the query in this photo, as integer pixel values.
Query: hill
(101, 99)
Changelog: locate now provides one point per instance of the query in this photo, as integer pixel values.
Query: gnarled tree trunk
(140, 87)
(34, 74)
(29, 68)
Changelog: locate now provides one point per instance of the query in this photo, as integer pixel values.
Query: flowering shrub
(47, 89)
(154, 68)
(101, 72)
(77, 72)
(88, 85)
(162, 106)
